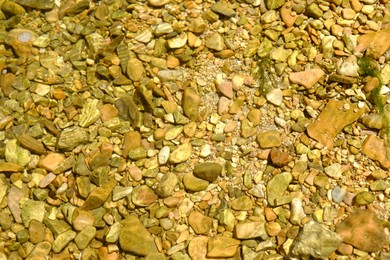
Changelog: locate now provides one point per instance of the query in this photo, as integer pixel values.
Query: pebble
(200, 223)
(32, 209)
(338, 194)
(316, 240)
(16, 154)
(226, 89)
(334, 171)
(36, 231)
(143, 196)
(208, 171)
(364, 198)
(71, 137)
(135, 238)
(197, 248)
(307, 78)
(374, 148)
(192, 183)
(191, 103)
(135, 69)
(297, 212)
(181, 154)
(84, 237)
(82, 219)
(99, 195)
(275, 97)
(220, 246)
(62, 240)
(251, 230)
(215, 42)
(363, 230)
(51, 161)
(277, 186)
(242, 203)
(273, 229)
(269, 139)
(279, 158)
(167, 185)
(223, 8)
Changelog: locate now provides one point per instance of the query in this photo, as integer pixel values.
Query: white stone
(163, 155)
(297, 212)
(275, 96)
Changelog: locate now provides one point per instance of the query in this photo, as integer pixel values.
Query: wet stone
(215, 42)
(85, 237)
(181, 154)
(197, 248)
(364, 198)
(224, 9)
(32, 210)
(89, 113)
(99, 195)
(191, 103)
(274, 4)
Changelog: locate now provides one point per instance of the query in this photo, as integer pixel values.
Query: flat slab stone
(335, 116)
(376, 44)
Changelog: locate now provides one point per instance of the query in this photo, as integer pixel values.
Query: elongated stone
(71, 137)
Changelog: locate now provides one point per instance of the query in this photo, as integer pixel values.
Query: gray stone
(134, 238)
(338, 194)
(316, 240)
(277, 186)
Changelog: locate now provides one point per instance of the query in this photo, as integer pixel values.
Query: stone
(82, 219)
(335, 116)
(169, 75)
(338, 194)
(158, 3)
(99, 195)
(226, 89)
(62, 240)
(286, 13)
(12, 8)
(71, 137)
(277, 186)
(51, 161)
(84, 237)
(134, 238)
(15, 195)
(363, 230)
(215, 42)
(227, 219)
(178, 41)
(307, 78)
(38, 4)
(10, 167)
(143, 196)
(16, 154)
(208, 171)
(167, 185)
(89, 113)
(269, 139)
(197, 248)
(200, 223)
(379, 185)
(41, 250)
(181, 154)
(36, 231)
(32, 209)
(163, 155)
(364, 198)
(131, 140)
(375, 44)
(242, 203)
(220, 246)
(313, 10)
(376, 149)
(113, 233)
(275, 96)
(251, 230)
(334, 170)
(297, 212)
(273, 229)
(274, 4)
(279, 158)
(30, 143)
(191, 183)
(223, 8)
(135, 69)
(247, 129)
(191, 103)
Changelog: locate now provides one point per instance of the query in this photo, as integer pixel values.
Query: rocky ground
(178, 129)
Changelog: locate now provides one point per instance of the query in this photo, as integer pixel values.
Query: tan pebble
(230, 126)
(108, 111)
(135, 173)
(270, 215)
(287, 15)
(372, 83)
(345, 249)
(356, 5)
(273, 229)
(58, 94)
(172, 62)
(226, 89)
(306, 78)
(348, 13)
(51, 161)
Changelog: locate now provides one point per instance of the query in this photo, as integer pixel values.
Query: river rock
(208, 171)
(277, 186)
(251, 230)
(143, 196)
(200, 223)
(191, 183)
(134, 238)
(363, 230)
(71, 137)
(166, 185)
(181, 154)
(220, 246)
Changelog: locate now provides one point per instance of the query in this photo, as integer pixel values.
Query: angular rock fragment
(377, 149)
(220, 246)
(99, 195)
(71, 137)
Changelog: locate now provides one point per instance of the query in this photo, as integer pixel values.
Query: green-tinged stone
(134, 238)
(192, 183)
(99, 195)
(113, 233)
(100, 175)
(85, 237)
(269, 139)
(137, 153)
(277, 186)
(191, 103)
(71, 137)
(120, 192)
(242, 203)
(32, 210)
(16, 154)
(22, 236)
(223, 8)
(63, 240)
(135, 69)
(274, 4)
(173, 132)
(181, 154)
(208, 171)
(227, 219)
(379, 185)
(313, 10)
(56, 226)
(167, 185)
(247, 129)
(89, 113)
(364, 198)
